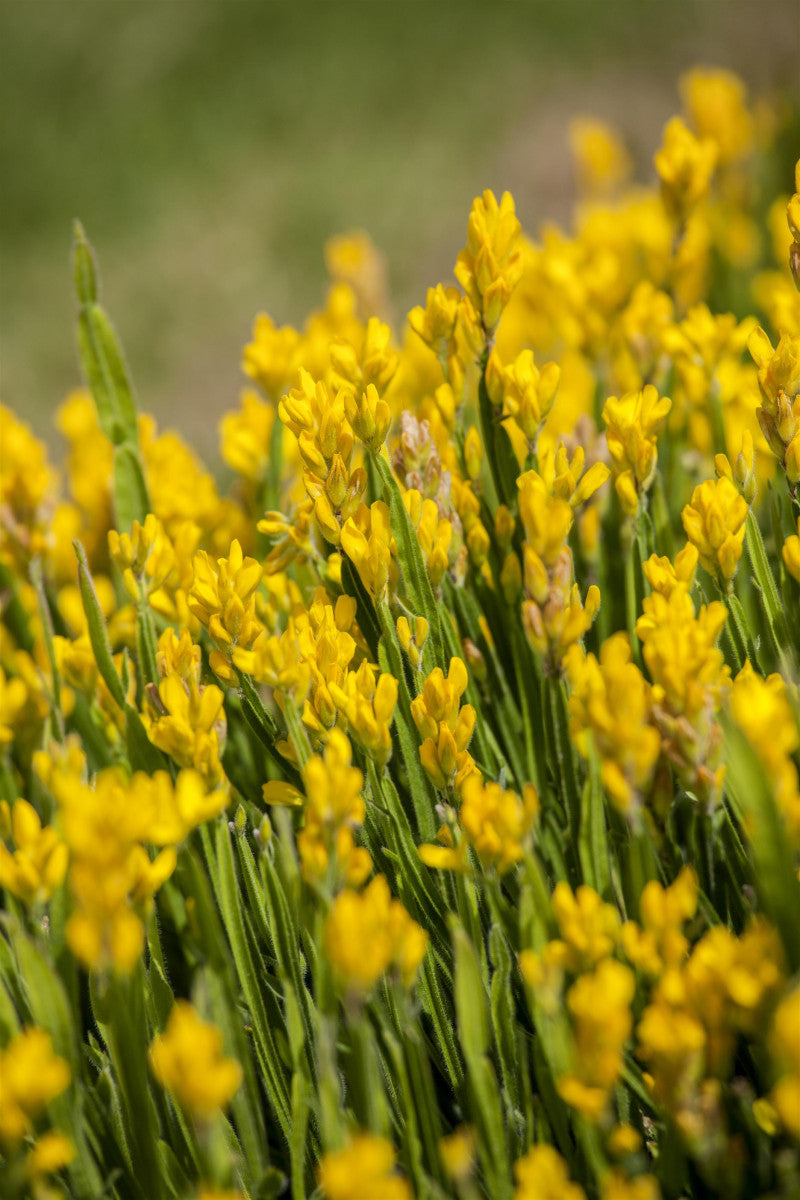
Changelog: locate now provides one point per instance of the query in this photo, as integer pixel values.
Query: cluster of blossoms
(421, 816)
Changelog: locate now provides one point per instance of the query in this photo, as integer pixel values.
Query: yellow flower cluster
(490, 265)
(779, 414)
(714, 524)
(611, 709)
(494, 821)
(38, 863)
(523, 393)
(187, 1059)
(698, 1010)
(762, 709)
(446, 727)
(32, 1076)
(363, 1170)
(553, 615)
(334, 810)
(106, 828)
(599, 1008)
(368, 933)
(690, 677)
(632, 423)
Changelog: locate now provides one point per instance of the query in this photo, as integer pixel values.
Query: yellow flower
(223, 600)
(632, 423)
(660, 942)
(762, 710)
(671, 1042)
(412, 644)
(685, 165)
(38, 863)
(543, 1175)
(111, 876)
(601, 159)
(490, 265)
(371, 364)
(187, 1059)
(617, 1186)
(272, 357)
(325, 440)
(363, 1170)
(13, 698)
(334, 809)
(445, 726)
(52, 1152)
(367, 541)
(611, 702)
(715, 102)
(370, 417)
(434, 533)
(784, 1048)
(188, 723)
(779, 414)
(368, 704)
(27, 493)
(791, 553)
(690, 679)
(368, 933)
(743, 472)
(457, 1153)
(525, 393)
(599, 1006)
(145, 557)
(435, 323)
(245, 437)
(496, 822)
(552, 613)
(547, 519)
(665, 576)
(714, 523)
(589, 927)
(352, 258)
(32, 1076)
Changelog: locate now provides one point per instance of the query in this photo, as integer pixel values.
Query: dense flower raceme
(418, 815)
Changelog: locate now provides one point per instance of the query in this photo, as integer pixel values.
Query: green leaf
(765, 581)
(229, 900)
(754, 804)
(119, 1007)
(107, 377)
(593, 841)
(472, 1012)
(131, 499)
(98, 634)
(46, 998)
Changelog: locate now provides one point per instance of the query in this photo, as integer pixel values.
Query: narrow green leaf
(593, 842)
(754, 804)
(131, 499)
(98, 634)
(230, 907)
(472, 1011)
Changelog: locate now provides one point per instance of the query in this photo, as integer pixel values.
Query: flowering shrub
(416, 813)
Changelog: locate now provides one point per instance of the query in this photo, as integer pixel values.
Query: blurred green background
(211, 146)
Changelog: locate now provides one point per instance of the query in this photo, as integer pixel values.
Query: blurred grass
(211, 146)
